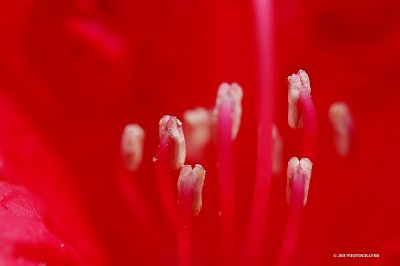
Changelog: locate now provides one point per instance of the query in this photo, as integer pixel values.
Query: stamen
(193, 179)
(277, 151)
(190, 186)
(200, 174)
(170, 156)
(170, 131)
(298, 169)
(301, 112)
(197, 129)
(343, 125)
(231, 96)
(228, 111)
(299, 174)
(297, 82)
(132, 146)
(132, 153)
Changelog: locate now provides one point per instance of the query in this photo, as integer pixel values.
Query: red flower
(74, 73)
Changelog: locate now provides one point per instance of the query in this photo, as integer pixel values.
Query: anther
(189, 186)
(298, 171)
(192, 180)
(132, 146)
(230, 96)
(301, 112)
(170, 131)
(197, 129)
(297, 83)
(342, 122)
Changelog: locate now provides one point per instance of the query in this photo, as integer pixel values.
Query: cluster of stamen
(225, 119)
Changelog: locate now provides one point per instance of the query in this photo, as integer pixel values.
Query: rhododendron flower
(74, 74)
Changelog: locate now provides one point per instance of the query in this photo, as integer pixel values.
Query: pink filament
(166, 183)
(132, 195)
(308, 113)
(143, 214)
(185, 225)
(226, 183)
(294, 217)
(265, 83)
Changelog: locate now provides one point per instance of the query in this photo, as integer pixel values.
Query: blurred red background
(73, 73)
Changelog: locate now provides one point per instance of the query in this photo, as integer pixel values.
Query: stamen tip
(197, 129)
(132, 142)
(200, 174)
(298, 168)
(231, 94)
(296, 83)
(170, 128)
(192, 180)
(342, 122)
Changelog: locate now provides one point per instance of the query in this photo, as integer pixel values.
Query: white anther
(305, 80)
(197, 128)
(170, 128)
(132, 142)
(342, 122)
(298, 168)
(297, 82)
(192, 179)
(231, 94)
